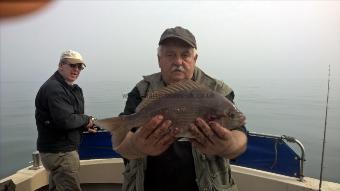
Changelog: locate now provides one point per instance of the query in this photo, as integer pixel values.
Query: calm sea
(294, 107)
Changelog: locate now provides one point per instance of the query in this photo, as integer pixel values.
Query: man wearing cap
(60, 121)
(157, 160)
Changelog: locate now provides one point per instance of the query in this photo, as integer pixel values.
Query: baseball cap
(72, 57)
(180, 33)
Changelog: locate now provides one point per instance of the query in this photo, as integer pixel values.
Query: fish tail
(116, 126)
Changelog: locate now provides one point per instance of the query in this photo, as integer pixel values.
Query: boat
(270, 163)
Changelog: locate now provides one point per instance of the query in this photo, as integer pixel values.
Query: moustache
(177, 69)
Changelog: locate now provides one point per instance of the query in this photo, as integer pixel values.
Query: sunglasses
(74, 66)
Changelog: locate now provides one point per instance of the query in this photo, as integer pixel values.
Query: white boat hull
(106, 174)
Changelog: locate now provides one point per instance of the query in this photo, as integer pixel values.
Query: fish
(182, 103)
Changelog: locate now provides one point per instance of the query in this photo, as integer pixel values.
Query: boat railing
(266, 152)
(302, 158)
(272, 153)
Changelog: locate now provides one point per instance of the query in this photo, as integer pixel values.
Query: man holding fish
(179, 127)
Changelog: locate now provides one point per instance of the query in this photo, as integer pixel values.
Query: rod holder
(36, 163)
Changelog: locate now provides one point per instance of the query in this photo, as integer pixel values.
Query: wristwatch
(93, 119)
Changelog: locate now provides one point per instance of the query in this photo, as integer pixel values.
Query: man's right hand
(153, 138)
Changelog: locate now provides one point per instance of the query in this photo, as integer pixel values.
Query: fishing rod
(324, 130)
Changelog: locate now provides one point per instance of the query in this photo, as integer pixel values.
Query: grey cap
(180, 33)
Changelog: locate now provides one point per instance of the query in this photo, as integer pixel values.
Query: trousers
(64, 170)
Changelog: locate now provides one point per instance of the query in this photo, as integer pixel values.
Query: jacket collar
(61, 79)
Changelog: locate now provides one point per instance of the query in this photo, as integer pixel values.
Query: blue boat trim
(272, 154)
(264, 152)
(96, 145)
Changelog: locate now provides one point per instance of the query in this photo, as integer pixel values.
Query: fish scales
(181, 103)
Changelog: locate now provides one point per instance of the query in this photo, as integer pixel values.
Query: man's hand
(90, 126)
(153, 138)
(213, 139)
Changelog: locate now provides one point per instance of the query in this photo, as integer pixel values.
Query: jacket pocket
(129, 174)
(225, 188)
(222, 181)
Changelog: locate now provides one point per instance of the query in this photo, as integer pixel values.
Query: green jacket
(212, 172)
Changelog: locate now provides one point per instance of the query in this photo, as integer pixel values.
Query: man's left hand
(90, 126)
(213, 139)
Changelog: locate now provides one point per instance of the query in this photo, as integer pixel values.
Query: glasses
(74, 66)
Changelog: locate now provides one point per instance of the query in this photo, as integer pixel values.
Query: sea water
(294, 107)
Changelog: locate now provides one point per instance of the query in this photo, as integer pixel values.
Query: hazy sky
(118, 39)
(236, 39)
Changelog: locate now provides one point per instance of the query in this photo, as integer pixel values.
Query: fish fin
(184, 85)
(116, 126)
